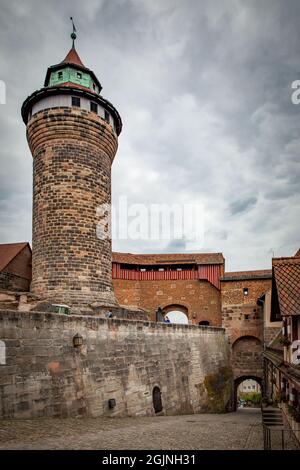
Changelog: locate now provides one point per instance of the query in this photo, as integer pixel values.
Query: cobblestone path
(240, 430)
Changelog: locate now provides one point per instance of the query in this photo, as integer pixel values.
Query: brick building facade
(282, 355)
(187, 283)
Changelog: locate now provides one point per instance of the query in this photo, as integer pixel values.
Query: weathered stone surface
(241, 430)
(72, 154)
(120, 359)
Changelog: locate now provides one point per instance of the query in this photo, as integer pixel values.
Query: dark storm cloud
(239, 206)
(204, 91)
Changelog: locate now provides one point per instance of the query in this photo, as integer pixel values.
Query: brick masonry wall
(241, 315)
(12, 282)
(121, 359)
(72, 154)
(200, 298)
(232, 291)
(243, 320)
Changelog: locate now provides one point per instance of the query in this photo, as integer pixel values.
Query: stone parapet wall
(123, 360)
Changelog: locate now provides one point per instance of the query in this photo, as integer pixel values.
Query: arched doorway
(157, 401)
(177, 314)
(247, 391)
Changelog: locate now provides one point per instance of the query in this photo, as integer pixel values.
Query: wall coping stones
(88, 320)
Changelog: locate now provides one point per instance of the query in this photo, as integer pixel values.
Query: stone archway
(177, 313)
(238, 382)
(246, 355)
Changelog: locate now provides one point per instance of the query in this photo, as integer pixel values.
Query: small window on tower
(76, 101)
(79, 75)
(94, 86)
(94, 107)
(246, 291)
(106, 116)
(60, 75)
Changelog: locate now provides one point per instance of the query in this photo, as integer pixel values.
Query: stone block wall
(45, 375)
(12, 282)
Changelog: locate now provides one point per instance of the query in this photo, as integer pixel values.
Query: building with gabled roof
(15, 266)
(282, 356)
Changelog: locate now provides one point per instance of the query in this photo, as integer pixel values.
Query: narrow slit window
(246, 291)
(60, 75)
(106, 116)
(79, 75)
(94, 107)
(76, 101)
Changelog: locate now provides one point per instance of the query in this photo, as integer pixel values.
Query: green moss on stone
(218, 389)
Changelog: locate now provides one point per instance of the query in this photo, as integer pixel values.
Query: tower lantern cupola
(70, 83)
(72, 72)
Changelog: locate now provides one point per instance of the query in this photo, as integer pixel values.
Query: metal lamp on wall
(77, 340)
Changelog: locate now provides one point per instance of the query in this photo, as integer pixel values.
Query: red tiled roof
(297, 255)
(286, 286)
(247, 275)
(72, 58)
(8, 252)
(168, 258)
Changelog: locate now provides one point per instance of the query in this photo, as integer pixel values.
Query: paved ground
(240, 430)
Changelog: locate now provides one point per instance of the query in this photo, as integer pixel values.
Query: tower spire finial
(73, 35)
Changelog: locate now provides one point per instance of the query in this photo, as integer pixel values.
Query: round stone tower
(73, 133)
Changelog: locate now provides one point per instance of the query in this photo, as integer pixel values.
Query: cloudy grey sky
(204, 91)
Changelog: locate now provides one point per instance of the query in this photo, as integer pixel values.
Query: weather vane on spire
(73, 35)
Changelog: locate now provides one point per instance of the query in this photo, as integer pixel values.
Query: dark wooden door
(157, 403)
